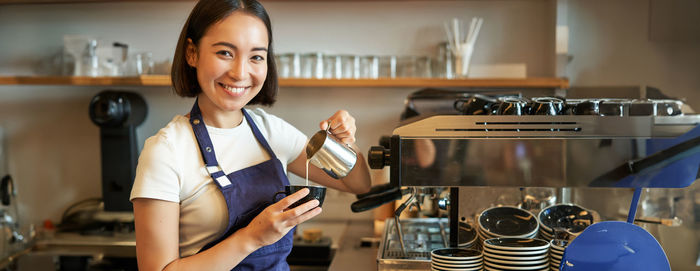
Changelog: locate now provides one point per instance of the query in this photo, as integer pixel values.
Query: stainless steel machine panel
(530, 151)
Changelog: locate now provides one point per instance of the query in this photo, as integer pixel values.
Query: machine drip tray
(421, 235)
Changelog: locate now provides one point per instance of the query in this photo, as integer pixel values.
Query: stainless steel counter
(42, 254)
(73, 244)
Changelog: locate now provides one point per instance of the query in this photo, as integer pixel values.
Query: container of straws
(461, 41)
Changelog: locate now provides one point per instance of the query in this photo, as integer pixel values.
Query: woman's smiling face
(231, 62)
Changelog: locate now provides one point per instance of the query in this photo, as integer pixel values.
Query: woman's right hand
(275, 221)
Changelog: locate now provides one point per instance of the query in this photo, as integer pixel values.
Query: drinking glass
(75, 46)
(369, 67)
(312, 65)
(444, 64)
(407, 66)
(140, 63)
(282, 70)
(350, 66)
(332, 67)
(424, 67)
(289, 65)
(387, 66)
(112, 59)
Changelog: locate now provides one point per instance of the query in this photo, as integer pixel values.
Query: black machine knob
(385, 141)
(378, 157)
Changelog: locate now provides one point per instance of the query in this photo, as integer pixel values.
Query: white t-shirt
(171, 168)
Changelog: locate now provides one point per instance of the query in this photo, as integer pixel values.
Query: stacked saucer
(467, 236)
(516, 254)
(556, 253)
(569, 218)
(452, 259)
(506, 221)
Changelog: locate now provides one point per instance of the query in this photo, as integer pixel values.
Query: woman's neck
(216, 117)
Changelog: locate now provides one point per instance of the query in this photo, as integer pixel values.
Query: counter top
(346, 236)
(121, 245)
(350, 255)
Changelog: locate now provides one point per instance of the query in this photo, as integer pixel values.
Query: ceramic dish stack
(506, 221)
(516, 254)
(467, 236)
(571, 219)
(556, 253)
(456, 259)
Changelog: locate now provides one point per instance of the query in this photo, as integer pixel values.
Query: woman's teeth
(234, 90)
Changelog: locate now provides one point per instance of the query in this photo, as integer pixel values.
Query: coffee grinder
(118, 113)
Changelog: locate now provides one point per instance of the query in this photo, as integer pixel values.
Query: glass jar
(288, 65)
(350, 66)
(444, 63)
(369, 67)
(387, 66)
(407, 66)
(312, 65)
(332, 67)
(424, 67)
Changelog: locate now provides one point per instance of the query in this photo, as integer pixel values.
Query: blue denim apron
(247, 192)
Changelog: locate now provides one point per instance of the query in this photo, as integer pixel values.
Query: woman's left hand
(342, 126)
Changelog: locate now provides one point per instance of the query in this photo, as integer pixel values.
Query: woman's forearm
(358, 180)
(223, 256)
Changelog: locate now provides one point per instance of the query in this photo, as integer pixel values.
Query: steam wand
(398, 212)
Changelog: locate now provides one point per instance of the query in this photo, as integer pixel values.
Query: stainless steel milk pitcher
(326, 152)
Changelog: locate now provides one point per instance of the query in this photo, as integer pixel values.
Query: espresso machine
(118, 114)
(464, 139)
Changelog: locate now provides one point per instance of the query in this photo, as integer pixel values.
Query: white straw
(450, 39)
(471, 29)
(480, 21)
(463, 30)
(455, 31)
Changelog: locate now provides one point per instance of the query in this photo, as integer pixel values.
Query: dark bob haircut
(203, 15)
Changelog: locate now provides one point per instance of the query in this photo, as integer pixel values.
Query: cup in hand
(315, 192)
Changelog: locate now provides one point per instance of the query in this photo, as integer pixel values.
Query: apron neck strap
(258, 135)
(206, 147)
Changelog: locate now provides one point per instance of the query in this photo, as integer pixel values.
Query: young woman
(203, 194)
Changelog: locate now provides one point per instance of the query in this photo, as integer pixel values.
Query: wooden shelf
(164, 80)
(107, 1)
(430, 82)
(77, 1)
(145, 80)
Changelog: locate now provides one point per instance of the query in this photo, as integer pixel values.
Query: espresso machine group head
(118, 113)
